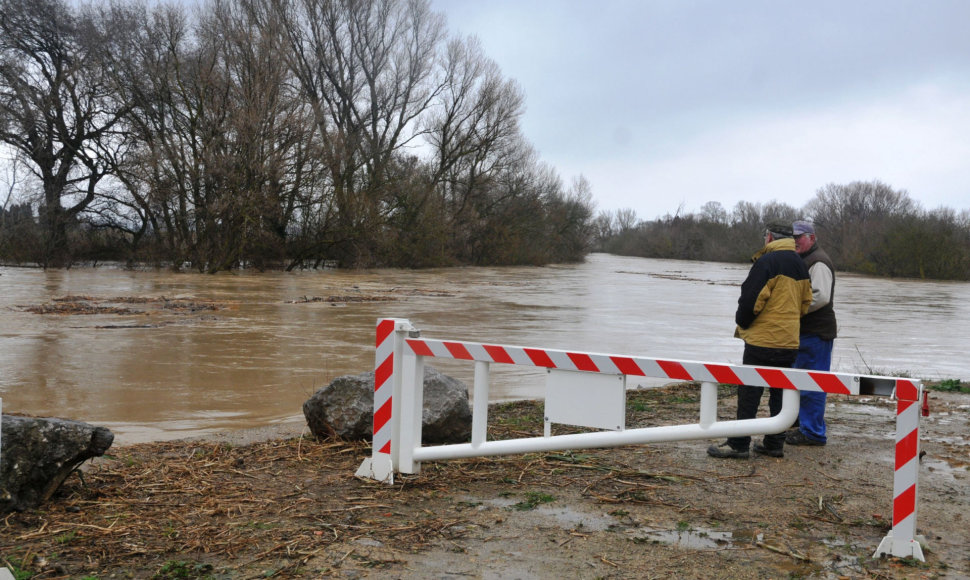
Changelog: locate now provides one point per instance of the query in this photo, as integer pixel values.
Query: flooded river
(151, 372)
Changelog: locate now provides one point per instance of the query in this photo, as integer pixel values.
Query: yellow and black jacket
(774, 297)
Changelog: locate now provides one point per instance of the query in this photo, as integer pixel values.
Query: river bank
(276, 503)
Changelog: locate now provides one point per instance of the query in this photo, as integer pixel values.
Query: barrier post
(382, 463)
(902, 541)
(410, 413)
(480, 410)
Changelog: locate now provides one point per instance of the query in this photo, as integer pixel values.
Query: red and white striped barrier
(398, 404)
(640, 366)
(902, 540)
(387, 389)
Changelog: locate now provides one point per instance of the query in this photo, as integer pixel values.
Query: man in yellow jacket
(774, 296)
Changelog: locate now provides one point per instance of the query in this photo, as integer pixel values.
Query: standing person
(774, 296)
(817, 335)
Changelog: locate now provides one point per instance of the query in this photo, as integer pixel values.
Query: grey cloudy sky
(667, 104)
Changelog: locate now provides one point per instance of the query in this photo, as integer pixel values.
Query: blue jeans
(816, 354)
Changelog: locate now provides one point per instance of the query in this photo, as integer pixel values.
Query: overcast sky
(667, 104)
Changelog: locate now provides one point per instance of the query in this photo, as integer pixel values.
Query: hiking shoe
(799, 438)
(762, 450)
(725, 451)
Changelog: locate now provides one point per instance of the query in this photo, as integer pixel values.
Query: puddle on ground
(703, 539)
(691, 539)
(688, 539)
(565, 516)
(568, 517)
(697, 539)
(949, 440)
(943, 469)
(862, 408)
(499, 502)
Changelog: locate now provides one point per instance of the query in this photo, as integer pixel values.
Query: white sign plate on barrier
(586, 399)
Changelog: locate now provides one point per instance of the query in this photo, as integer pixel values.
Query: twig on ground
(782, 551)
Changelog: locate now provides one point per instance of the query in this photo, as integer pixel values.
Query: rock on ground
(38, 455)
(345, 408)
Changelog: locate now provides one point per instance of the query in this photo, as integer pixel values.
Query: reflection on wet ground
(686, 537)
(689, 539)
(158, 355)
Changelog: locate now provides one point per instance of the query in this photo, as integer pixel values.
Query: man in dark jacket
(774, 296)
(818, 330)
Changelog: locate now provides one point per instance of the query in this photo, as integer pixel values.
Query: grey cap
(802, 227)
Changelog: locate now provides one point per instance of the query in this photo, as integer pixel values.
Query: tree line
(866, 227)
(268, 134)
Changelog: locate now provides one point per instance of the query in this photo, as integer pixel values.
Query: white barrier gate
(589, 389)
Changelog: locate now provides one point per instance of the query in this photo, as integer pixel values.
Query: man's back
(774, 296)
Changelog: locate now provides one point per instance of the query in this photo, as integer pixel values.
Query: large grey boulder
(345, 408)
(38, 454)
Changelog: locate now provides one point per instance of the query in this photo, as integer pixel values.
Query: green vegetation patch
(949, 386)
(532, 500)
(180, 569)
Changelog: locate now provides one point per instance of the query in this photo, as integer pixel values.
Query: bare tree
(178, 116)
(714, 212)
(474, 132)
(10, 179)
(264, 160)
(625, 219)
(851, 216)
(778, 211)
(56, 108)
(569, 221)
(747, 214)
(366, 70)
(223, 160)
(475, 119)
(264, 132)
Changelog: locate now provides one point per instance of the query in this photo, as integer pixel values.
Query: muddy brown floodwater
(155, 355)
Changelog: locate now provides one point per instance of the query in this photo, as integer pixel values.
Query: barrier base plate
(377, 468)
(901, 549)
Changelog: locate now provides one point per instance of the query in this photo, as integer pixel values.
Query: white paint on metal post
(708, 404)
(412, 406)
(480, 409)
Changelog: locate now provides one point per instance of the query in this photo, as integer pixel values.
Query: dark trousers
(749, 398)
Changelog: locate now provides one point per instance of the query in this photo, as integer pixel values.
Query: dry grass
(293, 508)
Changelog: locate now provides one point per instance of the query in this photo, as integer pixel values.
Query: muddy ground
(239, 506)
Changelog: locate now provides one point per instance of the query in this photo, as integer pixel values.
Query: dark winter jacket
(774, 296)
